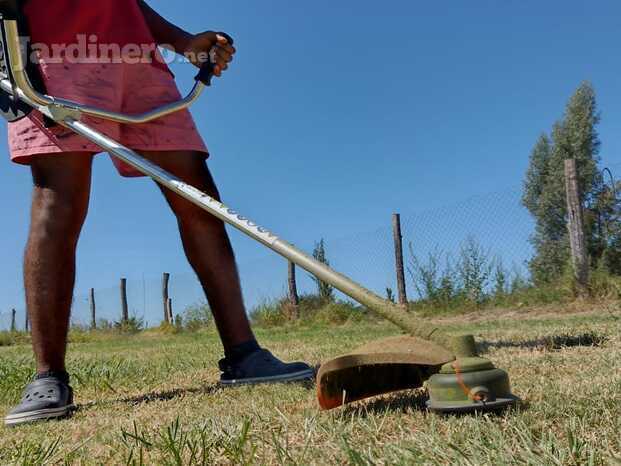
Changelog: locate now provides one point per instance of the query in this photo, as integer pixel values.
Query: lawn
(153, 399)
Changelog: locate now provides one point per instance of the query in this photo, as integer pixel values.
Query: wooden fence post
(398, 240)
(13, 323)
(93, 309)
(124, 309)
(165, 281)
(575, 225)
(294, 298)
(169, 307)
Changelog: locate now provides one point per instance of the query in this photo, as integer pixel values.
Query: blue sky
(336, 114)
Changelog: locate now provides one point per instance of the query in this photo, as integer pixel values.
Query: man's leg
(207, 246)
(59, 206)
(209, 251)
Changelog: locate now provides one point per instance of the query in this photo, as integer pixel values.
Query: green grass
(152, 398)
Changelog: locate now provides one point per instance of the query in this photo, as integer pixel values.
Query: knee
(192, 217)
(58, 216)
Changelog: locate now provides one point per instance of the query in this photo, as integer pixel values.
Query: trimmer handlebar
(26, 92)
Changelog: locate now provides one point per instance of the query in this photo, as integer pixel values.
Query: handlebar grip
(206, 72)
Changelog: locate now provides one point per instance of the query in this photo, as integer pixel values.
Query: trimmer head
(468, 385)
(465, 384)
(380, 367)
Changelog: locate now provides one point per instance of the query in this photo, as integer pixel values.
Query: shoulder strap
(10, 108)
(10, 9)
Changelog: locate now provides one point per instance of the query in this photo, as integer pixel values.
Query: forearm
(164, 32)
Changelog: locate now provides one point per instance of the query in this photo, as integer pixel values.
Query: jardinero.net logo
(88, 49)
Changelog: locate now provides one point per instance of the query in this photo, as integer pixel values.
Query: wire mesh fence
(5, 320)
(497, 222)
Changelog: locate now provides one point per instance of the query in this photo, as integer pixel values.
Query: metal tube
(135, 119)
(18, 71)
(380, 306)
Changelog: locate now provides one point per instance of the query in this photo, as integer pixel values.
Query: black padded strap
(10, 9)
(10, 108)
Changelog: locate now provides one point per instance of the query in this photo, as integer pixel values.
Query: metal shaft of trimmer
(382, 307)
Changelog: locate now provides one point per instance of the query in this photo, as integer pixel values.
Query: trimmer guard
(380, 367)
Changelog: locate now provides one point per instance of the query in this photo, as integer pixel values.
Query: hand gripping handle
(206, 72)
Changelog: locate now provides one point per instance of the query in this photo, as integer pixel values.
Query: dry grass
(153, 400)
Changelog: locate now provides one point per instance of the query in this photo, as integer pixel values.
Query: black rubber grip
(206, 73)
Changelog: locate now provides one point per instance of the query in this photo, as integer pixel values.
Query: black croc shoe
(49, 396)
(263, 367)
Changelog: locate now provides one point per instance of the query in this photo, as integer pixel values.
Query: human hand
(216, 47)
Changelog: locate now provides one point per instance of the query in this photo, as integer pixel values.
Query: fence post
(575, 226)
(26, 322)
(165, 281)
(91, 299)
(124, 309)
(13, 325)
(294, 298)
(169, 307)
(398, 240)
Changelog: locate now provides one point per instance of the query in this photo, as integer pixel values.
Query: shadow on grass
(548, 343)
(496, 412)
(171, 394)
(175, 393)
(410, 401)
(406, 401)
(154, 396)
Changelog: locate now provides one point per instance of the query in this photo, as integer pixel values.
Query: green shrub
(131, 327)
(339, 313)
(179, 323)
(604, 285)
(324, 290)
(268, 314)
(309, 305)
(105, 324)
(14, 338)
(197, 316)
(7, 339)
(80, 335)
(534, 295)
(167, 328)
(312, 309)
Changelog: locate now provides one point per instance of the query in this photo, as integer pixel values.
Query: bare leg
(207, 246)
(59, 206)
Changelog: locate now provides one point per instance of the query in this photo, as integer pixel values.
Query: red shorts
(127, 88)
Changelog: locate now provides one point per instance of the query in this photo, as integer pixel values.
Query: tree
(474, 269)
(324, 290)
(607, 219)
(537, 174)
(544, 187)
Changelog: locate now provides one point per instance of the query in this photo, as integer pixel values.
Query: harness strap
(13, 109)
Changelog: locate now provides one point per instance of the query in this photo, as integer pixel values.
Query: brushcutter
(458, 380)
